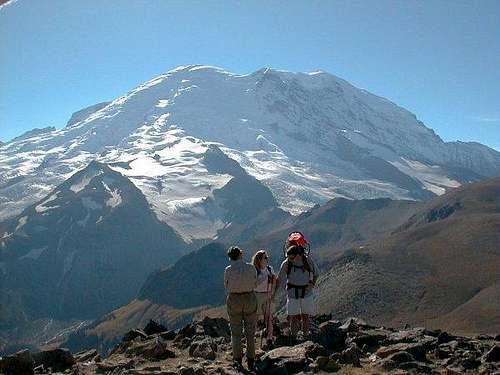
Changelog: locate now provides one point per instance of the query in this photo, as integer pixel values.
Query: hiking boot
(251, 364)
(237, 363)
(269, 343)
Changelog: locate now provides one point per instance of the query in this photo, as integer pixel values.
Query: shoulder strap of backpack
(307, 267)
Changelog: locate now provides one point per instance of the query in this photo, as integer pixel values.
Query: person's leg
(307, 310)
(305, 323)
(293, 311)
(294, 325)
(250, 318)
(260, 309)
(235, 312)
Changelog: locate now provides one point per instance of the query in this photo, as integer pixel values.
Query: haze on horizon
(437, 59)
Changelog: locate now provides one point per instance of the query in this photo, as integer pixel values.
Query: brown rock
(20, 363)
(205, 348)
(57, 359)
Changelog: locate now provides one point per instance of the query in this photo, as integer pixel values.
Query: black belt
(241, 293)
(302, 289)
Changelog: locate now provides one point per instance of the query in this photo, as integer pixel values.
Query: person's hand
(309, 287)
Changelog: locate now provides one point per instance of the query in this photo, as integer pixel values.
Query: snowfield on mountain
(308, 137)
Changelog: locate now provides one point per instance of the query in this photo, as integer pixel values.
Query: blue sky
(439, 59)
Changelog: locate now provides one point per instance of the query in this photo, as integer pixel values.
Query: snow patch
(22, 222)
(115, 199)
(42, 206)
(85, 180)
(162, 103)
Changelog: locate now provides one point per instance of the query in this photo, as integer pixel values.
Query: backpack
(304, 268)
(298, 239)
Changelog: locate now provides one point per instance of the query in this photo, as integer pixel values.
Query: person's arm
(254, 278)
(315, 273)
(279, 279)
(225, 280)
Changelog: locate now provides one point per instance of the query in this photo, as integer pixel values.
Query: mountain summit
(308, 137)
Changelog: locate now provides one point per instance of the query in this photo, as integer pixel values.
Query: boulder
(331, 336)
(187, 331)
(58, 359)
(400, 357)
(20, 363)
(325, 364)
(111, 366)
(186, 371)
(86, 355)
(133, 334)
(352, 355)
(444, 337)
(493, 354)
(469, 361)
(352, 325)
(418, 367)
(154, 350)
(372, 338)
(153, 328)
(205, 348)
(168, 335)
(214, 327)
(293, 358)
(417, 350)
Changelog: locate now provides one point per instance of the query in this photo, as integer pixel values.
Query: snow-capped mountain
(94, 238)
(308, 137)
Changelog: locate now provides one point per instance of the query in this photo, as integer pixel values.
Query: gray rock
(420, 368)
(154, 350)
(153, 328)
(86, 355)
(401, 357)
(133, 334)
(214, 327)
(417, 350)
(325, 364)
(372, 338)
(293, 358)
(205, 348)
(352, 355)
(331, 336)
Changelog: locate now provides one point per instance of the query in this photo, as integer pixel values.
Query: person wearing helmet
(301, 275)
(240, 281)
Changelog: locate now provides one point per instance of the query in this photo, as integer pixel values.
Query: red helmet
(297, 238)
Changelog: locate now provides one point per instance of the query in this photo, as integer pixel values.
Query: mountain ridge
(307, 137)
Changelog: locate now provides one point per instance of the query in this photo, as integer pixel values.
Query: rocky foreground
(350, 347)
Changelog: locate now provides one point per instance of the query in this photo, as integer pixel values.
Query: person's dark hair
(233, 252)
(293, 250)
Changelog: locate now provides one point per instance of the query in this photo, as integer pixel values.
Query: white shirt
(262, 280)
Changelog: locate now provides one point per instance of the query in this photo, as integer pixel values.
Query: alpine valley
(123, 215)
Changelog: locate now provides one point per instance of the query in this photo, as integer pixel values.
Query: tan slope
(432, 266)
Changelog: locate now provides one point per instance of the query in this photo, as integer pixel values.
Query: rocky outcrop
(203, 347)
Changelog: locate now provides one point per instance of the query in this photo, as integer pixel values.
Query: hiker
(240, 280)
(300, 274)
(264, 291)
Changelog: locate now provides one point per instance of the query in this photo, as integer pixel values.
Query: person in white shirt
(264, 291)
